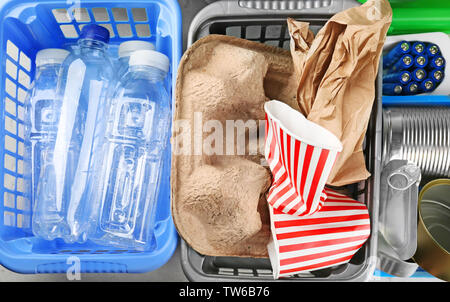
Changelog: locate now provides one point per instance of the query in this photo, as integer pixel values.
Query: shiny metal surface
(420, 135)
(399, 189)
(433, 232)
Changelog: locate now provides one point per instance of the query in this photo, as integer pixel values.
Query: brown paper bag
(336, 75)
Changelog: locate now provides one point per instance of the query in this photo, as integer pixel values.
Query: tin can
(392, 89)
(427, 85)
(418, 49)
(420, 135)
(433, 229)
(411, 88)
(437, 62)
(399, 50)
(432, 50)
(404, 63)
(437, 75)
(402, 77)
(420, 61)
(418, 74)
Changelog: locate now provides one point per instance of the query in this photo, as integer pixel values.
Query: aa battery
(418, 49)
(437, 75)
(432, 50)
(399, 50)
(418, 74)
(404, 63)
(392, 89)
(437, 62)
(411, 88)
(427, 85)
(401, 77)
(420, 61)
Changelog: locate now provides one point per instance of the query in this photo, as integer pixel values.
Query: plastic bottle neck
(92, 44)
(147, 72)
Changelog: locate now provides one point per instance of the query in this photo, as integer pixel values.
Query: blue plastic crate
(416, 100)
(26, 27)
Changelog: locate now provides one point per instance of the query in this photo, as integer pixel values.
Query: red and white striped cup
(301, 155)
(326, 238)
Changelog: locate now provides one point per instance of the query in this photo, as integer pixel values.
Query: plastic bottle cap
(128, 47)
(51, 56)
(151, 58)
(95, 32)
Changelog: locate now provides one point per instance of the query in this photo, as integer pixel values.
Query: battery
(399, 50)
(427, 85)
(437, 62)
(392, 89)
(401, 77)
(418, 74)
(404, 63)
(417, 49)
(437, 75)
(411, 88)
(420, 61)
(432, 50)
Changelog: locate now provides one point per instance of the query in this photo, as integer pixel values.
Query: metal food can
(418, 48)
(420, 61)
(402, 77)
(432, 50)
(396, 53)
(433, 229)
(418, 74)
(392, 89)
(420, 135)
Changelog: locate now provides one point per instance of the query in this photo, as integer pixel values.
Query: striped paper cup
(301, 155)
(326, 238)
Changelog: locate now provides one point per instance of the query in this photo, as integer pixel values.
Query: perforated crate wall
(25, 28)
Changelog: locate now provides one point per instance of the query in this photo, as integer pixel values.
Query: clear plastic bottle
(84, 85)
(126, 49)
(138, 131)
(42, 107)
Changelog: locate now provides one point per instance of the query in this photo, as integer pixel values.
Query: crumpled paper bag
(336, 74)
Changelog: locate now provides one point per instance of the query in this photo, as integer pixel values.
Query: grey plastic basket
(265, 21)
